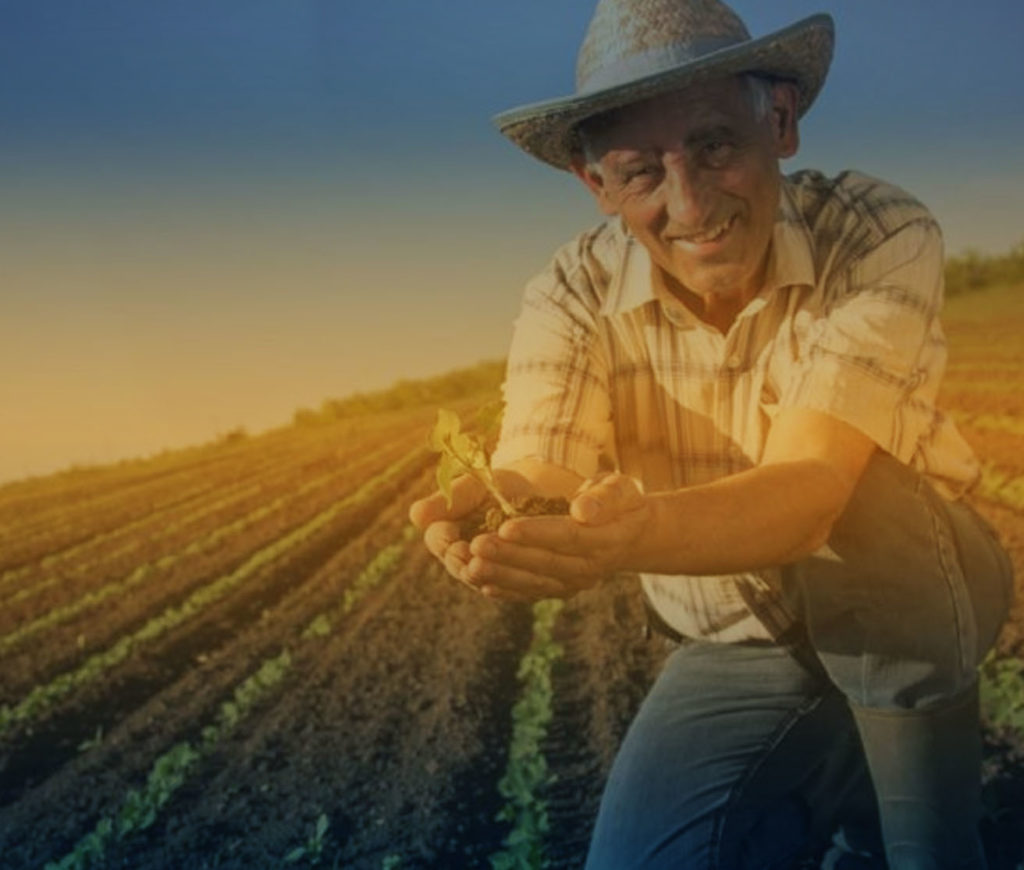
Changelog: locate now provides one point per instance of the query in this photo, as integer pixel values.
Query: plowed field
(239, 656)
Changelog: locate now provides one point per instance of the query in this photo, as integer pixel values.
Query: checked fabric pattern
(608, 370)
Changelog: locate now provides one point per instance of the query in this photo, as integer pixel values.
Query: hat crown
(628, 39)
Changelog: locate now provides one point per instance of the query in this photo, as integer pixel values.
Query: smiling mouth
(710, 235)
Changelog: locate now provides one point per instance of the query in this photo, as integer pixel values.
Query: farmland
(239, 655)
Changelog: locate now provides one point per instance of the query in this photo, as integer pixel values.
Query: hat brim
(800, 53)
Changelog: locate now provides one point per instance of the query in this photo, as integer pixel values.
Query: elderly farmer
(734, 378)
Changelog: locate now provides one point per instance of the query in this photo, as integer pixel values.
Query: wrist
(646, 553)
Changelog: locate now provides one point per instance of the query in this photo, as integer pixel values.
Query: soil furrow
(69, 643)
(31, 753)
(69, 523)
(180, 709)
(276, 471)
(403, 730)
(598, 684)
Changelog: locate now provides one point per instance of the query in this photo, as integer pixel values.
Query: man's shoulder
(597, 250)
(585, 266)
(852, 213)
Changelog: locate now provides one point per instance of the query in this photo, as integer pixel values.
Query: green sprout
(92, 742)
(313, 848)
(462, 452)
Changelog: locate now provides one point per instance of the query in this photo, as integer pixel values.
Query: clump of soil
(489, 516)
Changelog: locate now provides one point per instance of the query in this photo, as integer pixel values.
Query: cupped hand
(557, 556)
(440, 523)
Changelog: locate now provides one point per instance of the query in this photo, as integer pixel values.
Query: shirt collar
(631, 285)
(790, 262)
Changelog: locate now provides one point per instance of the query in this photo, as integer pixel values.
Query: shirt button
(733, 361)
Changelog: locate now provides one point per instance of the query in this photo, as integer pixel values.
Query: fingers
(534, 557)
(506, 584)
(443, 542)
(557, 534)
(437, 521)
(605, 499)
(535, 571)
(513, 584)
(467, 493)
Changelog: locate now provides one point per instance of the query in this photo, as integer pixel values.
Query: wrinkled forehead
(714, 101)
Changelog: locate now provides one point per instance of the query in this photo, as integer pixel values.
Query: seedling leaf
(462, 452)
(447, 426)
(446, 471)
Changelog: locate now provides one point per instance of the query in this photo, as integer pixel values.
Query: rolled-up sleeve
(878, 343)
(556, 388)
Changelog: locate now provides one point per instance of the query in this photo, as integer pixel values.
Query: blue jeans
(754, 755)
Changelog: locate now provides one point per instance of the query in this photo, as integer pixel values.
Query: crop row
(36, 496)
(162, 564)
(1002, 486)
(1010, 424)
(71, 535)
(64, 525)
(59, 531)
(160, 698)
(527, 773)
(112, 497)
(43, 696)
(132, 537)
(141, 806)
(88, 487)
(177, 562)
(1002, 693)
(124, 584)
(166, 518)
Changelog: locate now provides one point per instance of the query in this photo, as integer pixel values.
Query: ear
(594, 182)
(785, 99)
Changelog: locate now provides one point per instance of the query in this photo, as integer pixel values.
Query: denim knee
(737, 758)
(908, 595)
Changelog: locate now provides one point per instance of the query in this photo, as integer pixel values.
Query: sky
(213, 214)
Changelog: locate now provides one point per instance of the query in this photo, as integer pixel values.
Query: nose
(688, 195)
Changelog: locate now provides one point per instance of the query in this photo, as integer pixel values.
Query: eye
(638, 175)
(717, 152)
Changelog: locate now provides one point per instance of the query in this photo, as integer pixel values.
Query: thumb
(467, 493)
(605, 500)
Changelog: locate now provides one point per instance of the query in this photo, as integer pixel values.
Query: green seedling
(313, 848)
(526, 775)
(462, 452)
(92, 742)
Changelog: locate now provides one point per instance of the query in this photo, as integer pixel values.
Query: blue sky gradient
(217, 212)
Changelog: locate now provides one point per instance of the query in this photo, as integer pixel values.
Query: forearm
(769, 515)
(529, 476)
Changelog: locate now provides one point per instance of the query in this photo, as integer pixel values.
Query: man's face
(695, 177)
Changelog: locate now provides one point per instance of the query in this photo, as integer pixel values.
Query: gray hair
(756, 88)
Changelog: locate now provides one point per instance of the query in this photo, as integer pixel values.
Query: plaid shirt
(608, 370)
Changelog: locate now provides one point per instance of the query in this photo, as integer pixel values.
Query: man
(734, 379)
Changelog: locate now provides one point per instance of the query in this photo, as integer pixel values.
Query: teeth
(713, 234)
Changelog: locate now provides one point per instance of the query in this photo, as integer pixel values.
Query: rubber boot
(926, 768)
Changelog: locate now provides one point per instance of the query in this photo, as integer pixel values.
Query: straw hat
(636, 49)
